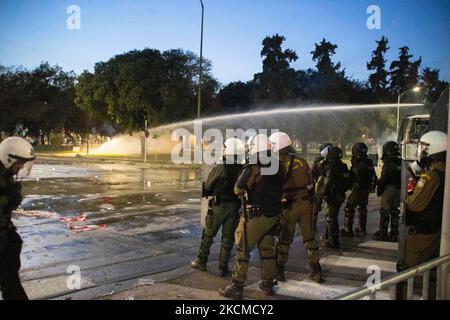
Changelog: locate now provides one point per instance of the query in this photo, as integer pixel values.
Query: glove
(15, 195)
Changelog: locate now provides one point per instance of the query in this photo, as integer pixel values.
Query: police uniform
(263, 210)
(10, 241)
(389, 190)
(317, 199)
(424, 216)
(363, 180)
(336, 183)
(224, 212)
(297, 209)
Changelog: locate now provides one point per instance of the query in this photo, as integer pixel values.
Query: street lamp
(399, 96)
(200, 72)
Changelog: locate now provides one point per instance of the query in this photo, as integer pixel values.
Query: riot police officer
(336, 181)
(15, 152)
(224, 209)
(317, 200)
(296, 206)
(425, 205)
(259, 222)
(389, 189)
(363, 180)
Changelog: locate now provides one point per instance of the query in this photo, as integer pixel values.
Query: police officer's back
(388, 189)
(336, 182)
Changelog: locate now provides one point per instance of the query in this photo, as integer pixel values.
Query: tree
(235, 97)
(322, 55)
(433, 87)
(404, 73)
(146, 84)
(328, 82)
(276, 83)
(378, 80)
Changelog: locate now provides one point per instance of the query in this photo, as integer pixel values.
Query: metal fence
(408, 275)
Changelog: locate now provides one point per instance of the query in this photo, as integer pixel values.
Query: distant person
(317, 202)
(15, 152)
(363, 181)
(224, 206)
(425, 205)
(389, 189)
(336, 181)
(297, 208)
(259, 222)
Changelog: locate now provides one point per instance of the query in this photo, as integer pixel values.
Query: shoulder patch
(423, 179)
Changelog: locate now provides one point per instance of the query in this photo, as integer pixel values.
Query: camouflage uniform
(10, 241)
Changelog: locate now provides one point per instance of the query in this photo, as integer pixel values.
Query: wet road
(150, 215)
(152, 229)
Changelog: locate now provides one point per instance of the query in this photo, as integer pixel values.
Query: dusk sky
(34, 31)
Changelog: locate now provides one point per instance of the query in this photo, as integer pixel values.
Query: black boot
(346, 233)
(223, 270)
(382, 234)
(315, 271)
(199, 264)
(393, 236)
(280, 276)
(361, 229)
(332, 243)
(267, 287)
(233, 291)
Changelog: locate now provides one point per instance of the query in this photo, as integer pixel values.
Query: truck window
(418, 128)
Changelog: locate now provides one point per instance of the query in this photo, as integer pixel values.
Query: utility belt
(217, 200)
(300, 194)
(253, 211)
(359, 186)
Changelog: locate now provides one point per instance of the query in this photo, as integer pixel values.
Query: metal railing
(408, 276)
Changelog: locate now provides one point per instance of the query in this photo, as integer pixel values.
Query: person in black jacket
(389, 190)
(363, 181)
(336, 183)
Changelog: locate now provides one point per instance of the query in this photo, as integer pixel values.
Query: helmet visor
(422, 150)
(324, 152)
(26, 170)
